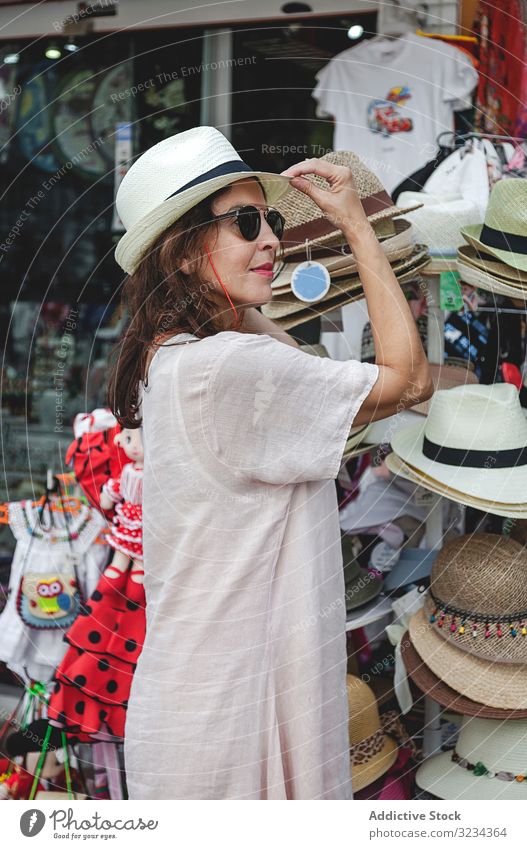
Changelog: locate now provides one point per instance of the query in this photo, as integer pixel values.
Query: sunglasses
(249, 221)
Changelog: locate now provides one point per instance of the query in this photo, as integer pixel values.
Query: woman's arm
(404, 376)
(254, 322)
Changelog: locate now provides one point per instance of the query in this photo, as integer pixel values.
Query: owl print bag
(49, 597)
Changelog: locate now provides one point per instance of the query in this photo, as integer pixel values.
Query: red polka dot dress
(92, 684)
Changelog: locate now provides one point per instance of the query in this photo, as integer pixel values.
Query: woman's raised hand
(340, 203)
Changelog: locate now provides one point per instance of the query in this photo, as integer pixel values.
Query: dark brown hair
(160, 301)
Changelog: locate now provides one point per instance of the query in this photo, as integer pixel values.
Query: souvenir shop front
(432, 501)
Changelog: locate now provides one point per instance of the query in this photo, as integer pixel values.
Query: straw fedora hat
(440, 692)
(304, 219)
(173, 176)
(501, 685)
(445, 377)
(409, 473)
(477, 598)
(286, 303)
(474, 440)
(372, 752)
(488, 762)
(504, 231)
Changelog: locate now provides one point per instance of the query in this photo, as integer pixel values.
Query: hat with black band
(503, 234)
(474, 441)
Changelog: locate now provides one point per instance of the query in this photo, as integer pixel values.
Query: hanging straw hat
(440, 692)
(474, 440)
(502, 685)
(477, 599)
(401, 469)
(304, 219)
(488, 762)
(173, 176)
(438, 221)
(372, 752)
(504, 232)
(286, 303)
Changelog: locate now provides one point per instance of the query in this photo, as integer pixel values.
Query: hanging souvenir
(310, 281)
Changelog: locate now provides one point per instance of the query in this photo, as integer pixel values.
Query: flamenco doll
(92, 683)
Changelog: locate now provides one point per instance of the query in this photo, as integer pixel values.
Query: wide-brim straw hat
(173, 176)
(440, 692)
(504, 231)
(474, 440)
(437, 223)
(477, 598)
(372, 751)
(480, 279)
(496, 746)
(501, 685)
(341, 265)
(286, 303)
(304, 220)
(409, 473)
(445, 377)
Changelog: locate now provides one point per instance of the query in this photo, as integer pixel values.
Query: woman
(240, 690)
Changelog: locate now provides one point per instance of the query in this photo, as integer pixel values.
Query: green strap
(67, 765)
(40, 764)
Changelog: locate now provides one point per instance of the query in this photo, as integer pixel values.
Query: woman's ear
(186, 266)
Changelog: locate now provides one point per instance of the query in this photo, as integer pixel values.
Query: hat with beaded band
(489, 762)
(173, 176)
(478, 597)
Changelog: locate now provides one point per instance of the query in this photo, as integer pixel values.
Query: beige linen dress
(240, 691)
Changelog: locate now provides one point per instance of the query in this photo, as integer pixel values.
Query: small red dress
(92, 683)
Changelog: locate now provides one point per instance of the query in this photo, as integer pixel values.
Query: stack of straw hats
(372, 751)
(495, 258)
(471, 632)
(471, 448)
(467, 649)
(306, 228)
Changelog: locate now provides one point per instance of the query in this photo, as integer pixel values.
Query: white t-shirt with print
(392, 98)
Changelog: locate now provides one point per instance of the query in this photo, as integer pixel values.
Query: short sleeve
(327, 98)
(280, 415)
(459, 79)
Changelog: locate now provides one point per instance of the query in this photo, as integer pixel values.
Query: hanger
(462, 137)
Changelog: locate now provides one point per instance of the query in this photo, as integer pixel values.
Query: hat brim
(472, 233)
(440, 692)
(134, 244)
(496, 269)
(300, 315)
(501, 685)
(482, 280)
(285, 304)
(506, 485)
(399, 467)
(447, 780)
(366, 773)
